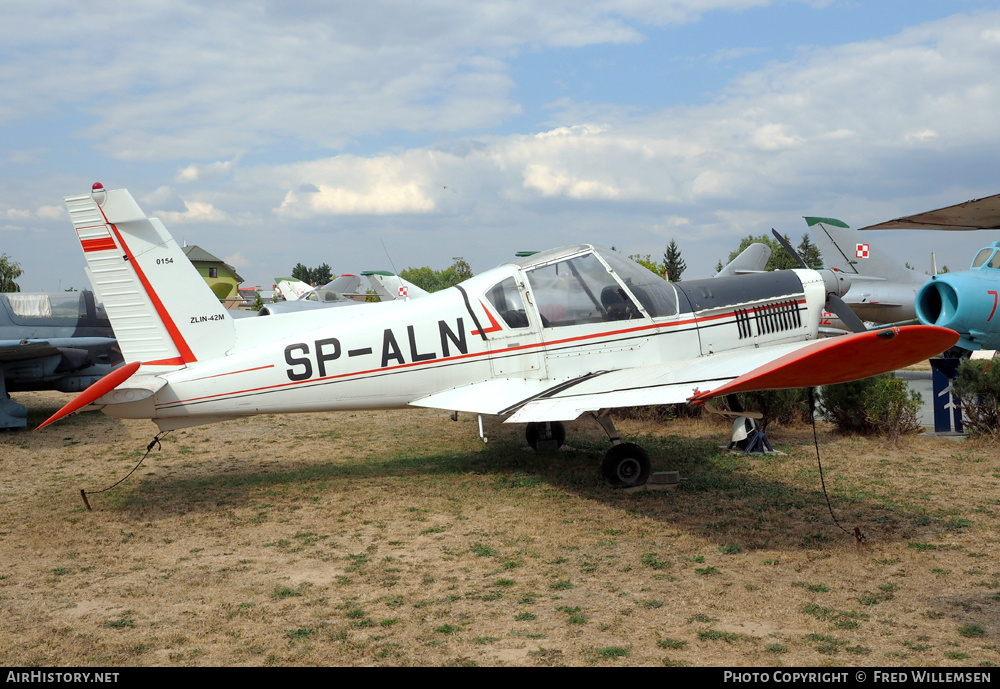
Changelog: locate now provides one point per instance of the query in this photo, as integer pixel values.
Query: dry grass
(398, 538)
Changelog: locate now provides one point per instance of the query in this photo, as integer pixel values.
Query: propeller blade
(788, 247)
(844, 313)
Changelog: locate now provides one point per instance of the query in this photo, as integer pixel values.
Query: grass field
(399, 538)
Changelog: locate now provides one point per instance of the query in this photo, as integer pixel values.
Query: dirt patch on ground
(399, 538)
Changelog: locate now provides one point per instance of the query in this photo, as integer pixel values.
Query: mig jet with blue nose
(964, 301)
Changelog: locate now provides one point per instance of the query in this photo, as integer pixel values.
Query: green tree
(648, 263)
(318, 276)
(301, 273)
(780, 259)
(9, 271)
(810, 252)
(435, 280)
(673, 264)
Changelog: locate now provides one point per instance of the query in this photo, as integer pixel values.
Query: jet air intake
(964, 302)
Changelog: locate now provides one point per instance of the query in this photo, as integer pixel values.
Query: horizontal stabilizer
(104, 385)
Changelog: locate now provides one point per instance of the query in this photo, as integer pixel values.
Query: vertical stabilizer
(848, 251)
(390, 287)
(162, 311)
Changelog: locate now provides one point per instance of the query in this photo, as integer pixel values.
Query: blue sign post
(947, 409)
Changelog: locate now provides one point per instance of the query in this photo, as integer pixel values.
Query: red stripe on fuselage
(451, 359)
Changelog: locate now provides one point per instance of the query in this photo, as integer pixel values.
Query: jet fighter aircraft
(965, 301)
(882, 289)
(541, 340)
(51, 341)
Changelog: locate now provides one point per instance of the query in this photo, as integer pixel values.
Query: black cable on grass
(154, 442)
(859, 537)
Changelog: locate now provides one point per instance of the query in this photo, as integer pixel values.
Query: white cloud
(17, 214)
(213, 171)
(347, 185)
(194, 212)
(237, 260)
(52, 213)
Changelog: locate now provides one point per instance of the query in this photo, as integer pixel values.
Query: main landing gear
(626, 465)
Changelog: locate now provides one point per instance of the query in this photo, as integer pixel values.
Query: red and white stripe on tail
(163, 313)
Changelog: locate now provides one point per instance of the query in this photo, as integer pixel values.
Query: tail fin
(850, 252)
(751, 260)
(390, 287)
(291, 289)
(162, 311)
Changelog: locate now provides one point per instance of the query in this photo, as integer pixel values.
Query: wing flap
(487, 397)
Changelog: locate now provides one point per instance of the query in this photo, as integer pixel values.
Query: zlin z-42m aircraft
(540, 340)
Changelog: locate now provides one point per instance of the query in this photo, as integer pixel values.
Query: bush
(784, 407)
(662, 413)
(880, 405)
(978, 386)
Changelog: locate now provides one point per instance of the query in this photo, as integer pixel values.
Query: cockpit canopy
(988, 257)
(583, 284)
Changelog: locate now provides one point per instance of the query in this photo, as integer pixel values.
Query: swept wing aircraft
(882, 290)
(964, 301)
(387, 286)
(51, 341)
(540, 340)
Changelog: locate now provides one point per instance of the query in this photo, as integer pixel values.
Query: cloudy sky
(387, 133)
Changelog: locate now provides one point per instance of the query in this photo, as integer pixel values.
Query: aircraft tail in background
(847, 250)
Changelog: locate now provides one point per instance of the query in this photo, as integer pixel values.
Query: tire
(536, 433)
(626, 466)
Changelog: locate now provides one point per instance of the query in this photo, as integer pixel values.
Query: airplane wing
(977, 214)
(21, 350)
(792, 365)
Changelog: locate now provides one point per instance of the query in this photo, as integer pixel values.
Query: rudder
(162, 311)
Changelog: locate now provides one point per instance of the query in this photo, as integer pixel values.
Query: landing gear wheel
(625, 466)
(548, 434)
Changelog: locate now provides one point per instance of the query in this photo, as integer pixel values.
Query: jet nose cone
(937, 303)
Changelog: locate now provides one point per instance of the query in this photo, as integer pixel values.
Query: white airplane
(543, 339)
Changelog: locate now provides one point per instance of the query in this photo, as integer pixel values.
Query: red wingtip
(105, 384)
(841, 359)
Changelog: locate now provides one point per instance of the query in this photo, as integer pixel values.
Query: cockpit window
(41, 305)
(982, 257)
(506, 299)
(324, 295)
(995, 261)
(579, 290)
(656, 295)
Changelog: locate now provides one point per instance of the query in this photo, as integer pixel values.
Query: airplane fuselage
(392, 354)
